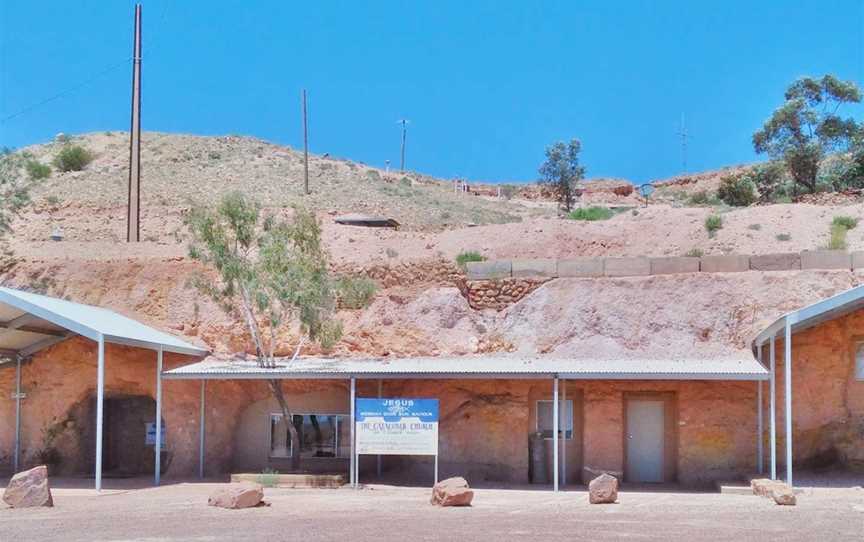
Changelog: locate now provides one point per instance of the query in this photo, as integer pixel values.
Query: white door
(645, 432)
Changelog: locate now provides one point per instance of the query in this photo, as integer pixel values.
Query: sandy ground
(180, 512)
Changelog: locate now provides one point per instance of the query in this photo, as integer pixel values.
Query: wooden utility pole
(133, 216)
(404, 123)
(305, 148)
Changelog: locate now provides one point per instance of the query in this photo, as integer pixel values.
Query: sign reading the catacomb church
(397, 426)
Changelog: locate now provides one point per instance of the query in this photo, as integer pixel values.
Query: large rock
(29, 488)
(603, 489)
(452, 492)
(774, 489)
(245, 495)
(763, 486)
(784, 495)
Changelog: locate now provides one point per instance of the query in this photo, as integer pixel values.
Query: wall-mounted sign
(397, 426)
(150, 439)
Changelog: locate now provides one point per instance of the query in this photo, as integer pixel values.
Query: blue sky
(486, 85)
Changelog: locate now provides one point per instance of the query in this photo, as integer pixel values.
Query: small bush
(591, 213)
(269, 478)
(700, 198)
(754, 227)
(53, 200)
(356, 293)
(469, 256)
(213, 155)
(838, 237)
(37, 170)
(72, 158)
(737, 191)
(712, 224)
(847, 222)
(782, 237)
(391, 253)
(695, 253)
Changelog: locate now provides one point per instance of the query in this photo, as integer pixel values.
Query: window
(544, 418)
(321, 435)
(859, 361)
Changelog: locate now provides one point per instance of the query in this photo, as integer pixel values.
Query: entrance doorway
(126, 448)
(645, 440)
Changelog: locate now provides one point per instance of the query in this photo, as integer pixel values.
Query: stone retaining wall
(642, 266)
(498, 293)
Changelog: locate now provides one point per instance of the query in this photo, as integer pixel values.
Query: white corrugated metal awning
(815, 314)
(30, 322)
(743, 368)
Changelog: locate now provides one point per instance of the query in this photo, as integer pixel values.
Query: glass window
(859, 362)
(319, 435)
(544, 418)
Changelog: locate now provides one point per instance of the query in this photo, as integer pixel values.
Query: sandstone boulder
(245, 495)
(784, 495)
(603, 489)
(452, 492)
(29, 488)
(763, 486)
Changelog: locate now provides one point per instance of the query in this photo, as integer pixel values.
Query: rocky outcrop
(452, 492)
(29, 488)
(233, 496)
(603, 489)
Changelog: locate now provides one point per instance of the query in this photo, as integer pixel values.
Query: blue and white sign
(150, 439)
(397, 426)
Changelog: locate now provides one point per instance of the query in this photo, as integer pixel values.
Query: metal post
(158, 447)
(100, 399)
(17, 456)
(436, 469)
(772, 422)
(133, 215)
(563, 422)
(760, 463)
(201, 429)
(380, 387)
(788, 383)
(353, 461)
(555, 433)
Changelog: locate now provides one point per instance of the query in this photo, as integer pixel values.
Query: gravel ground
(180, 512)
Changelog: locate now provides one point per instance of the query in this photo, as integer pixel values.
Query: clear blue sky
(486, 85)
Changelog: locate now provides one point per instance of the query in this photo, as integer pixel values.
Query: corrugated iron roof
(49, 319)
(490, 366)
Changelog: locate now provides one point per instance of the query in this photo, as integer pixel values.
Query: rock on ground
(603, 489)
(784, 495)
(452, 492)
(29, 488)
(774, 489)
(245, 495)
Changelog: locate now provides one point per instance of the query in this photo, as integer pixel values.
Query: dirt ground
(180, 512)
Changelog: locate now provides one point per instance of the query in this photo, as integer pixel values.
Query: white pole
(788, 382)
(760, 463)
(158, 447)
(16, 459)
(436, 468)
(772, 422)
(555, 433)
(201, 429)
(100, 399)
(380, 386)
(564, 433)
(353, 461)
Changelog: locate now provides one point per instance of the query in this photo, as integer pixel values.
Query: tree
(273, 274)
(14, 194)
(808, 126)
(562, 171)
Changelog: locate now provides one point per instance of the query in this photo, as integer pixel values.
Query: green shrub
(356, 293)
(847, 222)
(469, 256)
(783, 237)
(72, 158)
(840, 226)
(591, 213)
(754, 227)
(269, 477)
(737, 191)
(37, 170)
(695, 253)
(712, 224)
(699, 198)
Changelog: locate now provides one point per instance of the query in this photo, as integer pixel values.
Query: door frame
(670, 430)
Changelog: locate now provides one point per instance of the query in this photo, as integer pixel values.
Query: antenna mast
(682, 133)
(133, 214)
(404, 123)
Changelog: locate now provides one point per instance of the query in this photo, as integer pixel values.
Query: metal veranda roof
(30, 322)
(814, 314)
(490, 366)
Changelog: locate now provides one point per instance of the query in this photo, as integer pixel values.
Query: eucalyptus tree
(561, 171)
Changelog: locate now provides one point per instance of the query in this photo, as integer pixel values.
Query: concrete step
(291, 480)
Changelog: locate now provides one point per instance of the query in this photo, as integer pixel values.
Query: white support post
(353, 461)
(17, 457)
(378, 465)
(760, 430)
(772, 422)
(157, 449)
(555, 433)
(201, 431)
(787, 362)
(100, 400)
(563, 422)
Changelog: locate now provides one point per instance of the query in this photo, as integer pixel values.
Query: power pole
(682, 133)
(133, 215)
(305, 148)
(404, 123)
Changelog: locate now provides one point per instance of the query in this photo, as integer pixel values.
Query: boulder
(603, 489)
(244, 495)
(763, 486)
(29, 488)
(452, 492)
(784, 495)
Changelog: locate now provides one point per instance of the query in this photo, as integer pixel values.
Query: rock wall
(428, 272)
(498, 294)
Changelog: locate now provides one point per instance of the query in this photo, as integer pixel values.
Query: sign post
(397, 427)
